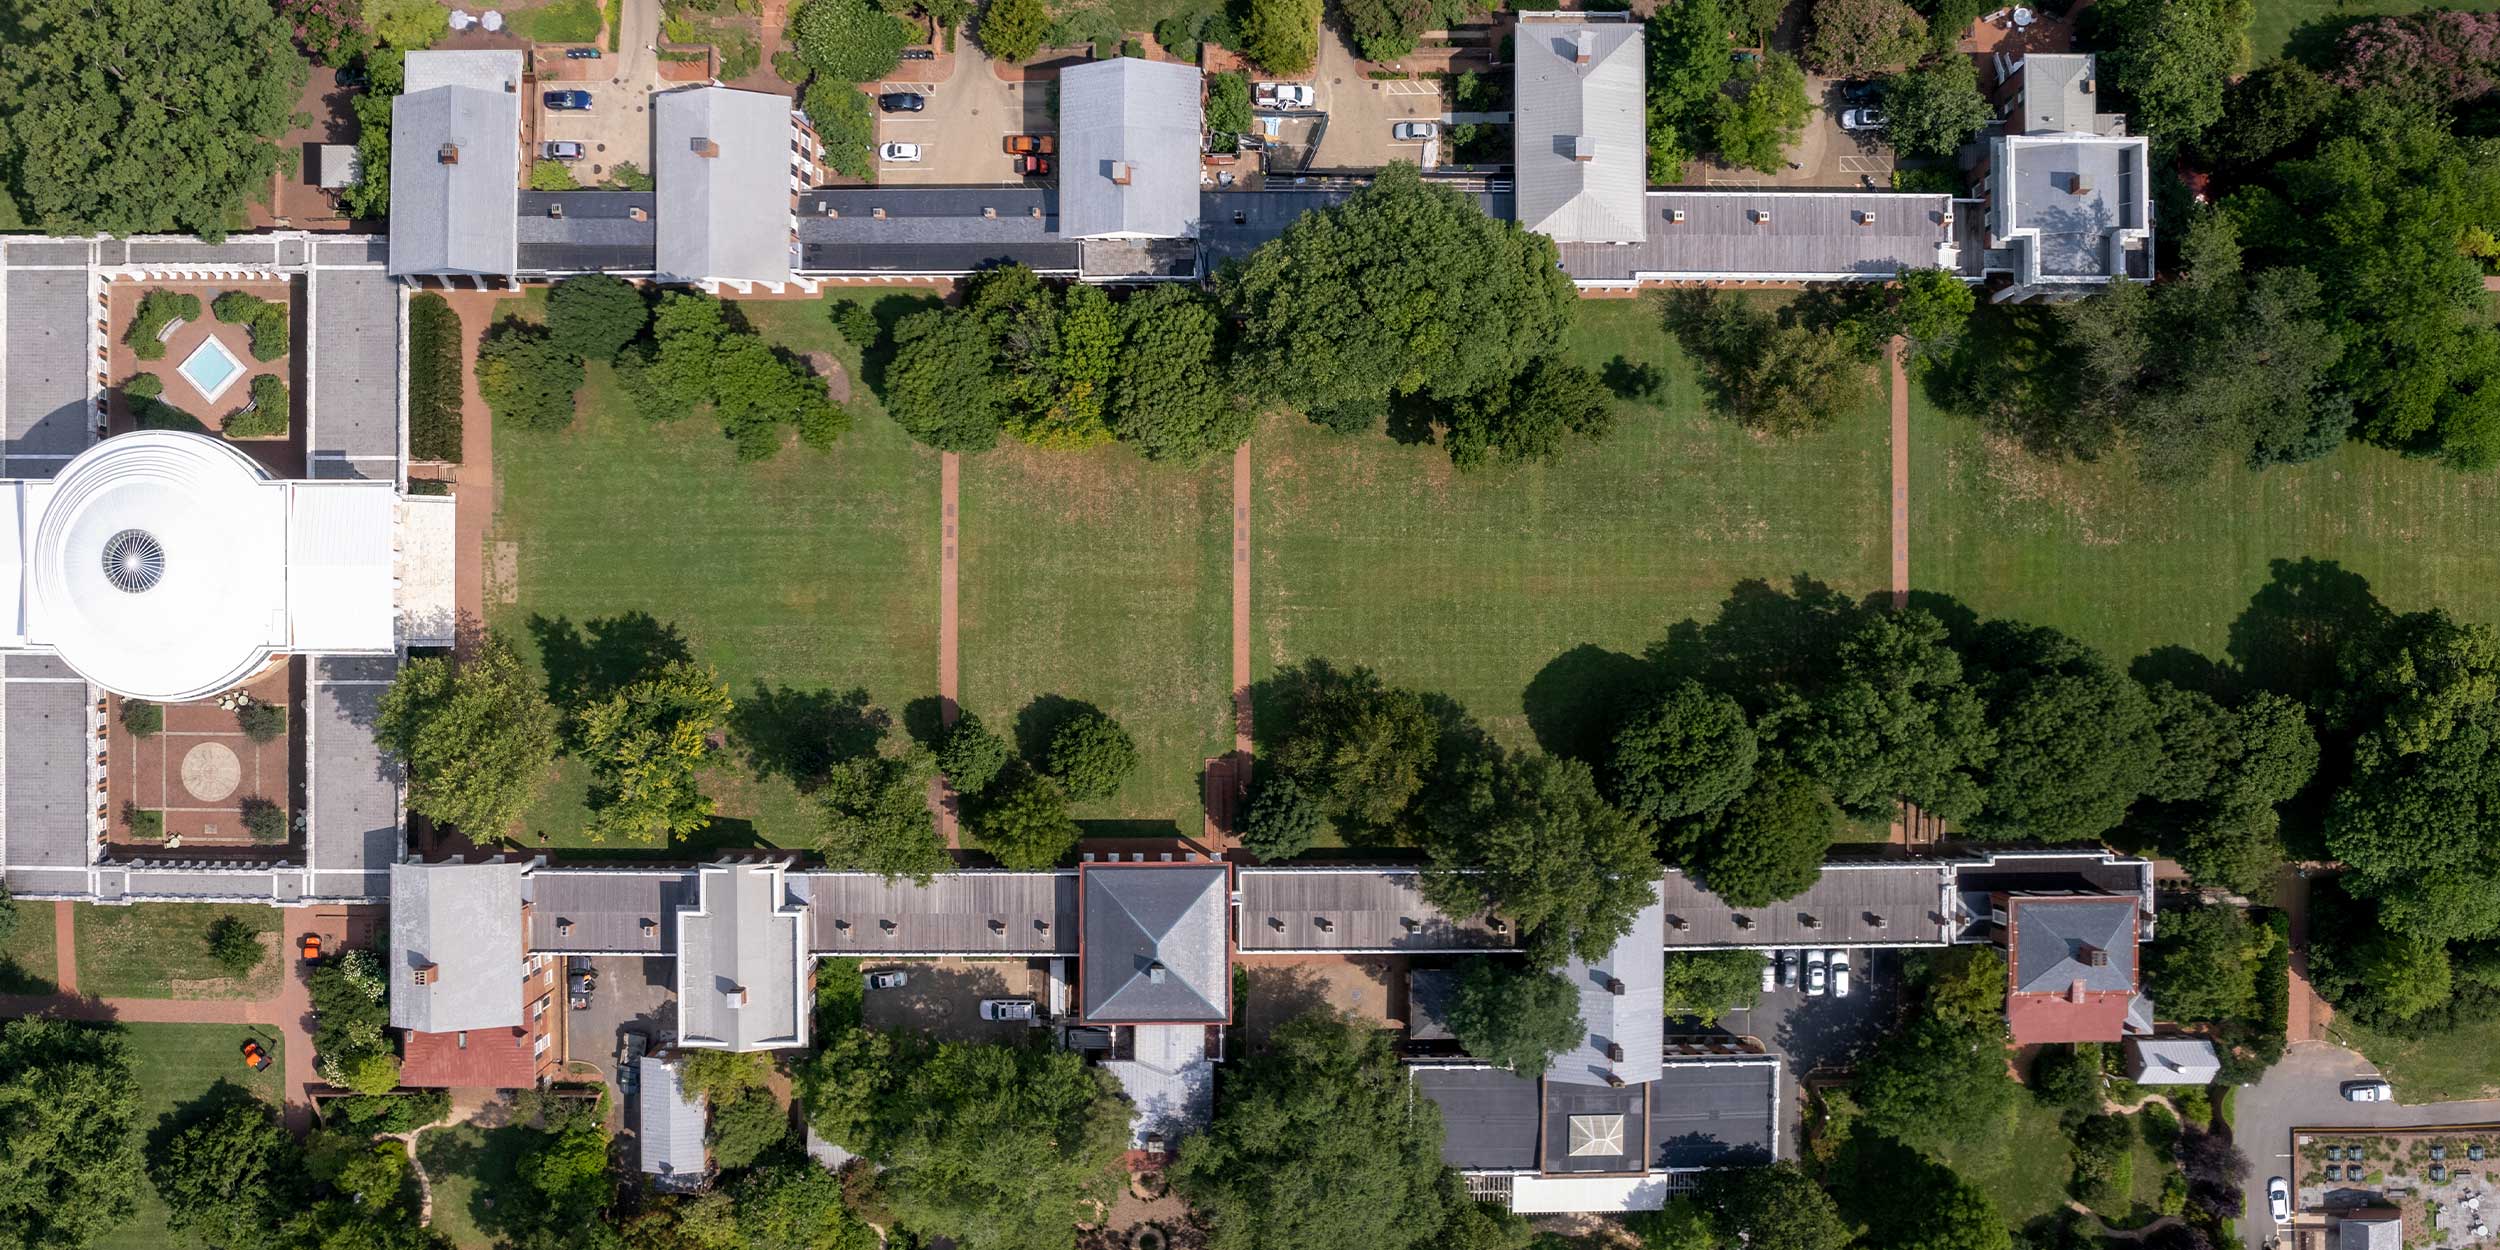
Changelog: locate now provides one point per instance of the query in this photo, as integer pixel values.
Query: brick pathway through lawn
(65, 947)
(943, 800)
(1904, 823)
(474, 490)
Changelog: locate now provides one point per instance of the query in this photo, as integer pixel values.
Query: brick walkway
(944, 803)
(65, 947)
(474, 490)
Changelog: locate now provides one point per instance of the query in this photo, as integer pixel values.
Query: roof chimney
(1583, 147)
(1614, 1051)
(2077, 184)
(426, 974)
(703, 147)
(1154, 972)
(461, 1039)
(736, 997)
(649, 926)
(2095, 957)
(2075, 992)
(1583, 47)
(1122, 172)
(563, 926)
(1614, 985)
(448, 154)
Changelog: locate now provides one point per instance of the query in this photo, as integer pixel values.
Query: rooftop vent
(2077, 184)
(1614, 985)
(1614, 1080)
(649, 926)
(2075, 992)
(461, 1039)
(426, 974)
(1123, 173)
(555, 209)
(1675, 216)
(1325, 924)
(563, 926)
(1762, 216)
(1583, 147)
(703, 147)
(1874, 920)
(133, 561)
(448, 154)
(735, 998)
(1809, 920)
(2088, 85)
(1614, 1051)
(1583, 47)
(1742, 921)
(638, 213)
(1678, 923)
(997, 925)
(1866, 216)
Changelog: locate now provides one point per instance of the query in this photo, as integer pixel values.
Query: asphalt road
(2303, 1091)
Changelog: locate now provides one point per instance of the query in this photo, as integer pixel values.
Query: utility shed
(671, 1132)
(456, 165)
(1130, 134)
(723, 165)
(1580, 127)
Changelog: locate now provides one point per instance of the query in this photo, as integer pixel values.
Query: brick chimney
(2094, 957)
(703, 147)
(1583, 148)
(448, 154)
(426, 974)
(1583, 47)
(1123, 173)
(736, 997)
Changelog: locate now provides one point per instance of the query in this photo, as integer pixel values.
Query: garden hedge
(433, 380)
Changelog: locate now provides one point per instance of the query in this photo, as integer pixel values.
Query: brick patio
(148, 773)
(282, 455)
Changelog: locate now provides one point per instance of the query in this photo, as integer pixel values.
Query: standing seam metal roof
(1142, 115)
(742, 962)
(1140, 919)
(723, 216)
(1634, 1019)
(1582, 155)
(464, 921)
(456, 217)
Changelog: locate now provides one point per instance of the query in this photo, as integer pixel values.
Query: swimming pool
(210, 368)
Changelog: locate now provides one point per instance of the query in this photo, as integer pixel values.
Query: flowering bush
(2436, 57)
(327, 30)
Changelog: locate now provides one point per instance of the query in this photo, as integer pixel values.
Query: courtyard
(206, 374)
(201, 775)
(2437, 1182)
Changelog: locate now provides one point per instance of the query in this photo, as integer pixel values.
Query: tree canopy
(1361, 747)
(645, 744)
(1777, 1207)
(1769, 844)
(478, 737)
(850, 40)
(593, 316)
(230, 1175)
(1318, 1144)
(1708, 984)
(875, 818)
(2169, 60)
(69, 1169)
(2206, 965)
(1024, 821)
(1934, 109)
(1532, 839)
(1684, 757)
(1860, 38)
(1753, 126)
(140, 116)
(1092, 756)
(1892, 719)
(1517, 1017)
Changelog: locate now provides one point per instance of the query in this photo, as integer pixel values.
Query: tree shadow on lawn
(878, 356)
(1579, 699)
(2299, 622)
(587, 664)
(801, 734)
(1041, 719)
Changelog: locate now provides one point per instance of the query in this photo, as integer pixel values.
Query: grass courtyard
(470, 1167)
(160, 950)
(174, 1064)
(26, 958)
(813, 573)
(1370, 552)
(2090, 549)
(2280, 26)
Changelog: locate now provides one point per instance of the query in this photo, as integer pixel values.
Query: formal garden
(209, 359)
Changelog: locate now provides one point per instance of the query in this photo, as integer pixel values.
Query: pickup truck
(1282, 95)
(1027, 145)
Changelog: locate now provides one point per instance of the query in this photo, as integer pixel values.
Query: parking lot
(632, 992)
(617, 126)
(967, 120)
(1824, 156)
(942, 997)
(1824, 1031)
(1361, 110)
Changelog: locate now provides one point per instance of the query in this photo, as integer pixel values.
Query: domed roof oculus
(134, 561)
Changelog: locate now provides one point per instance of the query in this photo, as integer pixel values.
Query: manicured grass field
(1370, 552)
(563, 21)
(2279, 24)
(813, 572)
(470, 1168)
(2092, 550)
(26, 958)
(2023, 1170)
(1103, 579)
(175, 1064)
(160, 950)
(2445, 1067)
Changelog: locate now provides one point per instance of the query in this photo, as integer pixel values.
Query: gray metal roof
(354, 786)
(1155, 943)
(1715, 1113)
(2054, 936)
(742, 962)
(1889, 903)
(997, 914)
(44, 368)
(44, 783)
(1429, 993)
(2172, 1061)
(1488, 1116)
(2060, 93)
(1353, 909)
(1130, 138)
(2370, 1234)
(938, 258)
(604, 911)
(1772, 234)
(669, 1136)
(722, 161)
(455, 216)
(1579, 125)
(2072, 196)
(463, 920)
(354, 316)
(1622, 1003)
(1170, 1083)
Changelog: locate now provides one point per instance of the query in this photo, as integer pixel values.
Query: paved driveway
(2302, 1091)
(960, 133)
(633, 992)
(1360, 110)
(1823, 156)
(943, 997)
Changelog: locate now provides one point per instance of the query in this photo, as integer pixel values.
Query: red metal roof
(492, 1059)
(2100, 1016)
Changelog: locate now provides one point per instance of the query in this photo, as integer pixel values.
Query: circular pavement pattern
(211, 772)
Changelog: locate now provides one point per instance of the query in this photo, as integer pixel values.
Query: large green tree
(1170, 402)
(2415, 823)
(1531, 839)
(939, 387)
(1529, 418)
(874, 814)
(2169, 60)
(69, 1166)
(1893, 720)
(478, 737)
(1282, 36)
(1708, 984)
(849, 40)
(1762, 116)
(594, 315)
(1406, 288)
(1518, 1017)
(1688, 62)
(1318, 1144)
(1769, 844)
(1860, 38)
(1364, 748)
(1935, 1081)
(525, 378)
(230, 1174)
(1025, 823)
(133, 116)
(1681, 760)
(1934, 109)
(645, 744)
(1772, 1208)
(2075, 740)
(2205, 966)
(1092, 756)
(789, 1203)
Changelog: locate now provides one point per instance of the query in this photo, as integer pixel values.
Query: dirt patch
(837, 379)
(503, 581)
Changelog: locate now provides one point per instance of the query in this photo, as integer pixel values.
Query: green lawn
(563, 21)
(1099, 578)
(2092, 550)
(2279, 24)
(160, 950)
(2026, 1168)
(2443, 1067)
(175, 1064)
(26, 958)
(805, 577)
(1375, 553)
(471, 1168)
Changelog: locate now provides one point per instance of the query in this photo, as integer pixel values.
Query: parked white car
(1411, 132)
(2369, 1091)
(1006, 1009)
(1770, 974)
(1284, 95)
(1788, 970)
(2279, 1200)
(1840, 974)
(1816, 975)
(900, 152)
(1862, 119)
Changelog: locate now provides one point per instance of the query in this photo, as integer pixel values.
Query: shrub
(145, 825)
(855, 324)
(628, 176)
(970, 755)
(2067, 1076)
(2104, 1159)
(265, 820)
(1282, 35)
(2160, 1125)
(266, 416)
(849, 40)
(389, 1113)
(1011, 30)
(1179, 35)
(433, 379)
(156, 309)
(525, 378)
(1228, 110)
(552, 176)
(1091, 755)
(2195, 1104)
(1133, 48)
(142, 718)
(261, 722)
(593, 316)
(376, 1073)
(264, 320)
(845, 126)
(1284, 819)
(144, 386)
(745, 1126)
(236, 946)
